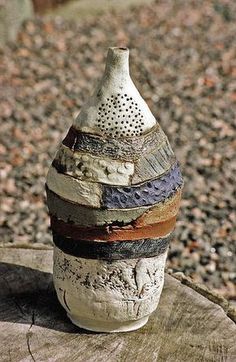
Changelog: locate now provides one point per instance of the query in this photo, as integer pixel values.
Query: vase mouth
(118, 53)
(119, 48)
(117, 64)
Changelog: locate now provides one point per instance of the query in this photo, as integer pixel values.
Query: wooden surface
(186, 326)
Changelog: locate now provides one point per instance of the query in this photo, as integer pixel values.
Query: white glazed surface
(83, 192)
(93, 325)
(116, 82)
(115, 292)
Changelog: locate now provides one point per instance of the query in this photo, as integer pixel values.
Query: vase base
(108, 327)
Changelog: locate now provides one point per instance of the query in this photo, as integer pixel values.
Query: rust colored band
(161, 212)
(113, 233)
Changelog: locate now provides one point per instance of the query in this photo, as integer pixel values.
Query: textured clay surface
(149, 193)
(85, 216)
(74, 190)
(111, 112)
(120, 291)
(113, 233)
(154, 164)
(115, 250)
(113, 272)
(129, 149)
(84, 166)
(120, 115)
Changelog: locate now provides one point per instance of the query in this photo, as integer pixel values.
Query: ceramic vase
(113, 193)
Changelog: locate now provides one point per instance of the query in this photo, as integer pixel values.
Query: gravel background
(183, 60)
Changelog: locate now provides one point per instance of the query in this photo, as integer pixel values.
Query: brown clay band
(161, 212)
(113, 233)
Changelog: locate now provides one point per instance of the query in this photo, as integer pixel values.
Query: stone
(12, 14)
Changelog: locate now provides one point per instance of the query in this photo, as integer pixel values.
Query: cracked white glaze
(112, 292)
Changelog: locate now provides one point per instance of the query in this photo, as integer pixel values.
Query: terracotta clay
(113, 194)
(113, 233)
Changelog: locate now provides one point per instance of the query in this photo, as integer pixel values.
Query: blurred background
(183, 61)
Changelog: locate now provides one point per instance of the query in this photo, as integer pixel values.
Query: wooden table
(187, 326)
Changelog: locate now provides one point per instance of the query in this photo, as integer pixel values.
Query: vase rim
(119, 48)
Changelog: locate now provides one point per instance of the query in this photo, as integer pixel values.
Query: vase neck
(117, 62)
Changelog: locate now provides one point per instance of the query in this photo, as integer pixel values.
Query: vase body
(113, 193)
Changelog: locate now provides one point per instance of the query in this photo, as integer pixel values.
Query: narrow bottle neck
(117, 61)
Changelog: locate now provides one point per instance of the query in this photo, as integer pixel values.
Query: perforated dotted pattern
(149, 193)
(120, 116)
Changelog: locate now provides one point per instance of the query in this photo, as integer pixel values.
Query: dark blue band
(115, 250)
(148, 193)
